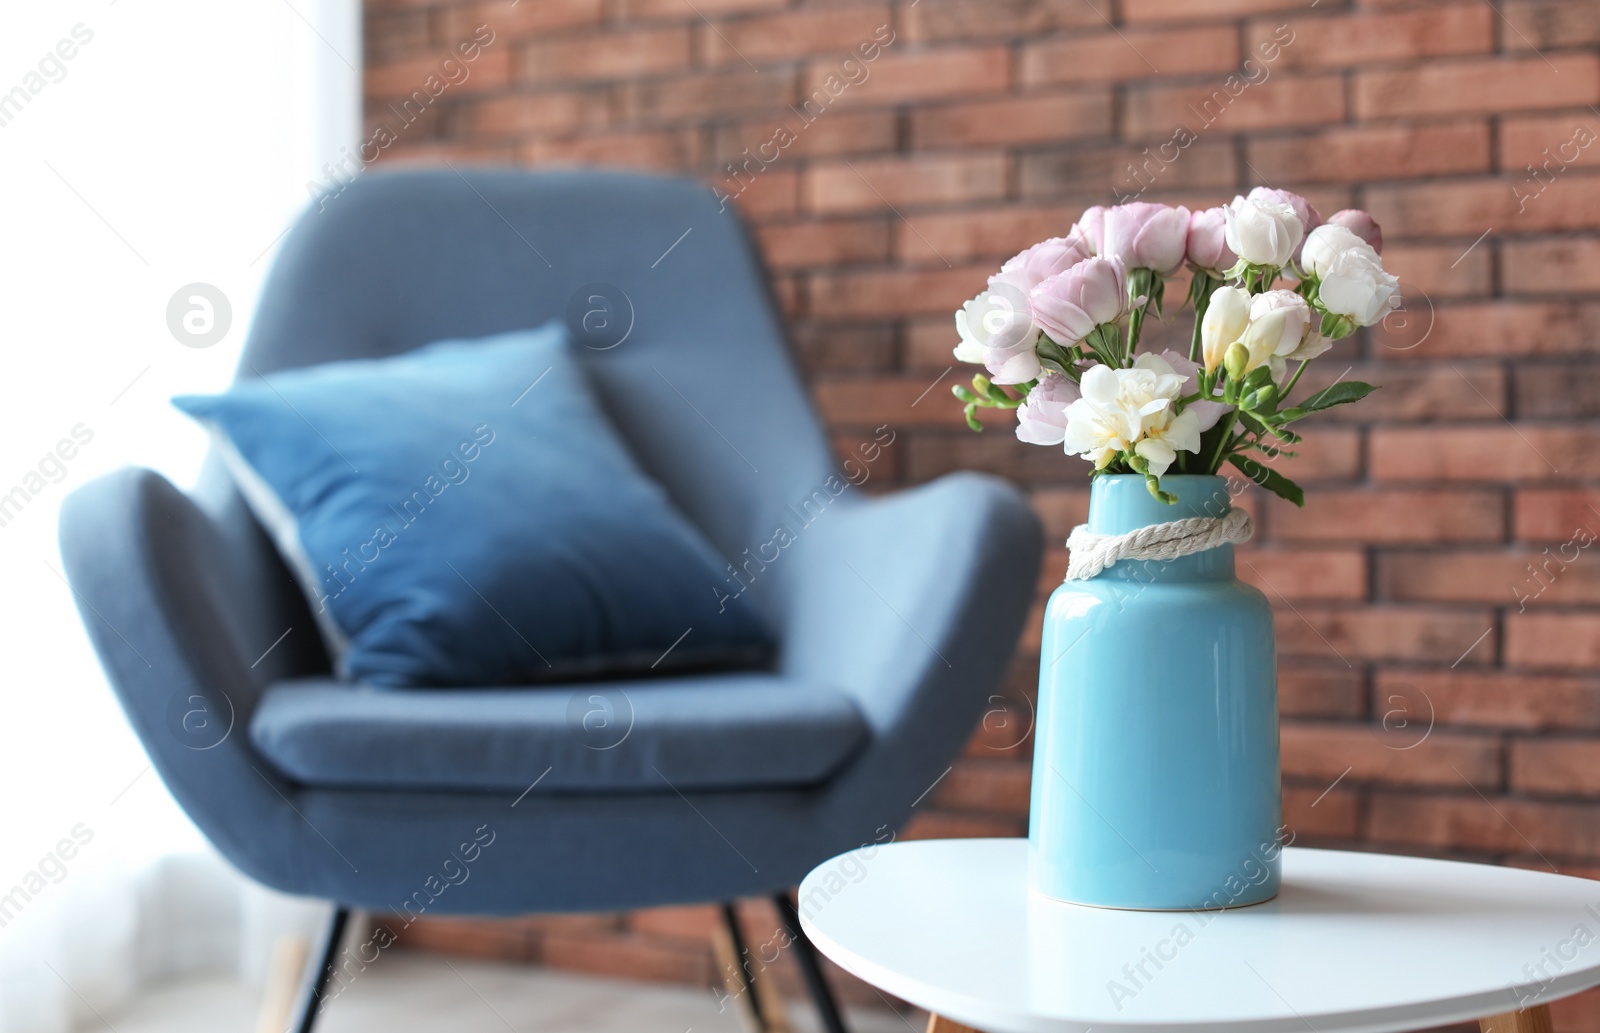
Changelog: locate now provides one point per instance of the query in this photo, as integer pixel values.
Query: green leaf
(1269, 479)
(1335, 327)
(1053, 365)
(1261, 423)
(1272, 452)
(1200, 287)
(1106, 342)
(1052, 355)
(1336, 394)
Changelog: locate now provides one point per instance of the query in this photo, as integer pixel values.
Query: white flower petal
(1099, 385)
(1159, 454)
(1183, 433)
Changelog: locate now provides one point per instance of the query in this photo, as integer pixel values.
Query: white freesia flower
(1131, 410)
(1355, 285)
(1324, 246)
(1262, 338)
(1263, 232)
(1205, 413)
(997, 330)
(1227, 315)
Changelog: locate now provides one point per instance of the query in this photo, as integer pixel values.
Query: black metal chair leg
(810, 966)
(747, 980)
(319, 970)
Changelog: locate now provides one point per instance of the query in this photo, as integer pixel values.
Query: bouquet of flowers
(1059, 326)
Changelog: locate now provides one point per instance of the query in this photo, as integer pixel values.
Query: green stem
(1222, 442)
(1293, 381)
(1135, 324)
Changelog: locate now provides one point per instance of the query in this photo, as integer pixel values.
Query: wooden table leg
(940, 1024)
(1534, 1020)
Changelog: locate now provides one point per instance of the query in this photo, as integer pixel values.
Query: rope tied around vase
(1093, 553)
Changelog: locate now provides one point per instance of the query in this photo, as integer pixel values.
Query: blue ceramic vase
(1155, 770)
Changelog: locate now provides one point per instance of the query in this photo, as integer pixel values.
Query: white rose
(1227, 314)
(1261, 232)
(1284, 335)
(1355, 285)
(1324, 246)
(997, 330)
(971, 348)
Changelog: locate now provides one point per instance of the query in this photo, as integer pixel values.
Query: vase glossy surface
(1155, 776)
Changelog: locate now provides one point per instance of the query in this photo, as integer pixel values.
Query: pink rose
(1041, 261)
(1208, 244)
(1310, 218)
(1070, 304)
(1042, 419)
(1146, 236)
(1361, 224)
(1091, 228)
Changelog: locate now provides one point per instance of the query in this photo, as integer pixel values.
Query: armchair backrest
(703, 386)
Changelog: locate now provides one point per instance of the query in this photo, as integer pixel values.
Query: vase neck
(1119, 503)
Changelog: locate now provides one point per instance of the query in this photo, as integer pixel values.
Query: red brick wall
(1467, 128)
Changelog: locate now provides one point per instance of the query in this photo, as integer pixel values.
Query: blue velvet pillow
(464, 515)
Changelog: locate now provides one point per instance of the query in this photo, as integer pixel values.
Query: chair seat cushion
(465, 515)
(744, 730)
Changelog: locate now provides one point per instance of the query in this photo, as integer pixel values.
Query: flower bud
(1146, 236)
(1237, 358)
(1362, 225)
(1207, 244)
(1260, 398)
(1227, 315)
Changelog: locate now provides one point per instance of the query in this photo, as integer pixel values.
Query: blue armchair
(896, 616)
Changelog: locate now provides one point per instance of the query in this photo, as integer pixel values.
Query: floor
(428, 993)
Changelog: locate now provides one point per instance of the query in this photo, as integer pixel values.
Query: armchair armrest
(913, 604)
(179, 639)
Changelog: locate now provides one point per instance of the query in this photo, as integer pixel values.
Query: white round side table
(1355, 943)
